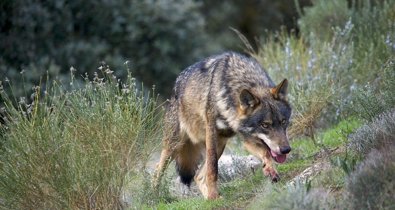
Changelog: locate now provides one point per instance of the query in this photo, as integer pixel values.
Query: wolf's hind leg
(165, 158)
(170, 141)
(261, 151)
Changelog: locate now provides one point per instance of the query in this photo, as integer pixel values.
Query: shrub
(54, 35)
(323, 17)
(76, 149)
(378, 96)
(372, 185)
(316, 73)
(377, 134)
(298, 196)
(323, 72)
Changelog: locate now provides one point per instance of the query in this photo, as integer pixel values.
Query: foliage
(160, 38)
(323, 17)
(377, 134)
(50, 36)
(378, 96)
(298, 196)
(372, 185)
(252, 18)
(76, 149)
(324, 72)
(316, 73)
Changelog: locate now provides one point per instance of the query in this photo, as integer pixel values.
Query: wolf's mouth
(277, 157)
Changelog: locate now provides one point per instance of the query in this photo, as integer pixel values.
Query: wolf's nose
(285, 150)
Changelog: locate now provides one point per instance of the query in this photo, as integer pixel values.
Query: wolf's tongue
(278, 158)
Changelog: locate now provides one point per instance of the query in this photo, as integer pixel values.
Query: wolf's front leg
(261, 151)
(207, 177)
(211, 162)
(201, 178)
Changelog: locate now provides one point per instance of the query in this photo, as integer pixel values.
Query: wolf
(214, 100)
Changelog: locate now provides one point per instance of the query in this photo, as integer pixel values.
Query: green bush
(76, 149)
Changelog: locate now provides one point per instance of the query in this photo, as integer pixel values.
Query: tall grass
(76, 149)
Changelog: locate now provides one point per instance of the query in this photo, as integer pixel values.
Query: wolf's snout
(285, 150)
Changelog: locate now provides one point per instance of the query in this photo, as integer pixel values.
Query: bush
(316, 73)
(372, 185)
(378, 96)
(298, 196)
(323, 72)
(50, 36)
(76, 149)
(323, 17)
(380, 133)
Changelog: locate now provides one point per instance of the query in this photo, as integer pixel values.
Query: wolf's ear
(248, 101)
(280, 91)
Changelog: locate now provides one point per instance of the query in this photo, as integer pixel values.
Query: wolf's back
(221, 76)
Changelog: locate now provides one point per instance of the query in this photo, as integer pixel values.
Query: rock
(230, 167)
(310, 172)
(233, 166)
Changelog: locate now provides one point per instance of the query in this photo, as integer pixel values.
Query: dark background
(43, 39)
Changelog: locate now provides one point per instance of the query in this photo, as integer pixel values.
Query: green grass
(337, 135)
(328, 139)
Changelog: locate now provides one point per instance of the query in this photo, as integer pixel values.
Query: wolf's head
(266, 118)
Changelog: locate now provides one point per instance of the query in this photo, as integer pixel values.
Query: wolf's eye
(283, 122)
(265, 125)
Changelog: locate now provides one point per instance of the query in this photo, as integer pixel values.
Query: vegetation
(76, 149)
(87, 144)
(159, 38)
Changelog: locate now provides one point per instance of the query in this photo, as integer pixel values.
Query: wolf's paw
(272, 173)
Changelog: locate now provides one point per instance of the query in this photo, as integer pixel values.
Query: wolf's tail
(187, 161)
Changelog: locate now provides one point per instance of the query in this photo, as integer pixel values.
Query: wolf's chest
(223, 128)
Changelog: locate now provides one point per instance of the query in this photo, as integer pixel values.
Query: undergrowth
(76, 149)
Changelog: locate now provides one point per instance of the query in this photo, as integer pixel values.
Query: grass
(76, 149)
